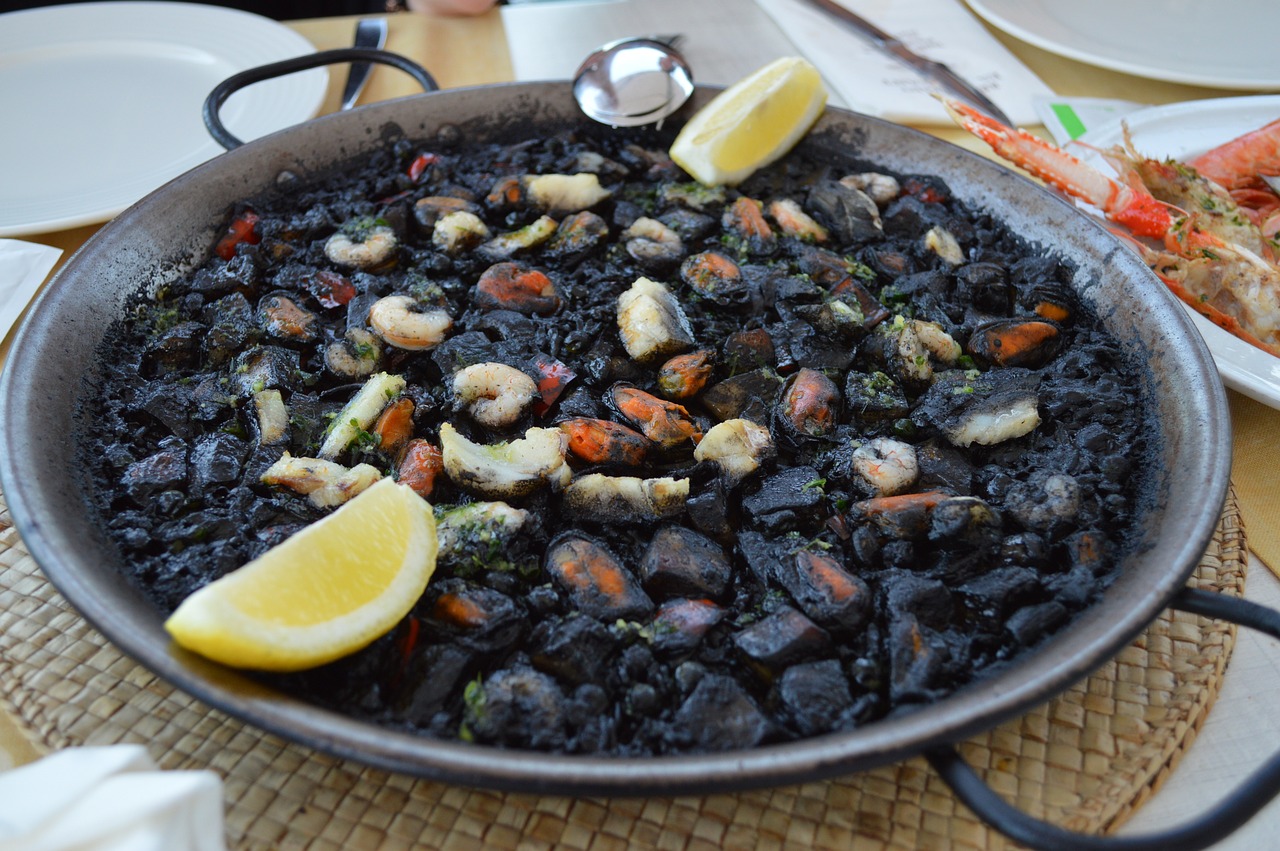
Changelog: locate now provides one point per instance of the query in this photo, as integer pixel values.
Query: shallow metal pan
(53, 364)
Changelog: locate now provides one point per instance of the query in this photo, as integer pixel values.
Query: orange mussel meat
(510, 286)
(810, 402)
(663, 422)
(422, 464)
(684, 376)
(605, 442)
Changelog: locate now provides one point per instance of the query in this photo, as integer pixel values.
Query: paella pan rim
(41, 385)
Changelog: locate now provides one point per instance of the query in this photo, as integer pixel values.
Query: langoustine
(1240, 166)
(1212, 256)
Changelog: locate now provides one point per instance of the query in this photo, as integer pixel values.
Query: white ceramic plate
(1229, 45)
(101, 102)
(1183, 131)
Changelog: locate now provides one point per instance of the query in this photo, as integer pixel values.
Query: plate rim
(163, 18)
(991, 12)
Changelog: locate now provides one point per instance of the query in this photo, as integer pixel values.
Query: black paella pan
(53, 363)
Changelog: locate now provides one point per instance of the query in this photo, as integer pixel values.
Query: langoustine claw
(1132, 207)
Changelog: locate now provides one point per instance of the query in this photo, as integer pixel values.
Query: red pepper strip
(330, 288)
(391, 199)
(419, 165)
(406, 644)
(555, 377)
(240, 230)
(925, 192)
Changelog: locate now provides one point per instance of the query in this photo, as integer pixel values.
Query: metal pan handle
(213, 103)
(1245, 800)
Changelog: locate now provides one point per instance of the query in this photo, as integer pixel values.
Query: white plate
(1183, 131)
(101, 102)
(1230, 45)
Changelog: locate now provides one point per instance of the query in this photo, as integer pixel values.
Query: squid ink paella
(711, 467)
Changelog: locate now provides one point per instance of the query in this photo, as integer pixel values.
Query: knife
(372, 33)
(934, 71)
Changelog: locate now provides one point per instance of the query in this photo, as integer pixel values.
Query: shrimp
(458, 231)
(361, 245)
(650, 241)
(1239, 162)
(941, 345)
(1239, 167)
(889, 466)
(880, 188)
(400, 322)
(356, 355)
(496, 395)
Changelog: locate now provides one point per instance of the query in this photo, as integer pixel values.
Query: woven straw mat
(1086, 760)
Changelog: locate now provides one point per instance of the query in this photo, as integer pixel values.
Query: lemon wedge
(752, 123)
(322, 594)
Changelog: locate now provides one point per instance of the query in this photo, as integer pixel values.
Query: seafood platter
(733, 486)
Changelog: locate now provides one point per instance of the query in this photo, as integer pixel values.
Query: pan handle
(1246, 799)
(213, 103)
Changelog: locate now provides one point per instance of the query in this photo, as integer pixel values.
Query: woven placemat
(1085, 760)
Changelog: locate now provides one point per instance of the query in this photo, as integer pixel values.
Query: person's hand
(452, 7)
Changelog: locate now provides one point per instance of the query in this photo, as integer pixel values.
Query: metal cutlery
(370, 33)
(937, 72)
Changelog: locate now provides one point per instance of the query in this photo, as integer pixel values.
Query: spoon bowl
(632, 81)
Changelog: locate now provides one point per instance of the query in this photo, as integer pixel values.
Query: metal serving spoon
(633, 81)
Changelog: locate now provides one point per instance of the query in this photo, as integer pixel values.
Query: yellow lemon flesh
(324, 593)
(752, 123)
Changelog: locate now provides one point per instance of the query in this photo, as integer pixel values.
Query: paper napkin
(23, 268)
(109, 799)
(874, 83)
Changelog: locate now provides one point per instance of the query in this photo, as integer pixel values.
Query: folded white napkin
(109, 799)
(874, 83)
(23, 267)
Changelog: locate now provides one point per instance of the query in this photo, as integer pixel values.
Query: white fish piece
(652, 323)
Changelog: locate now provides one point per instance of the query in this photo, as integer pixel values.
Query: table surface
(1242, 728)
